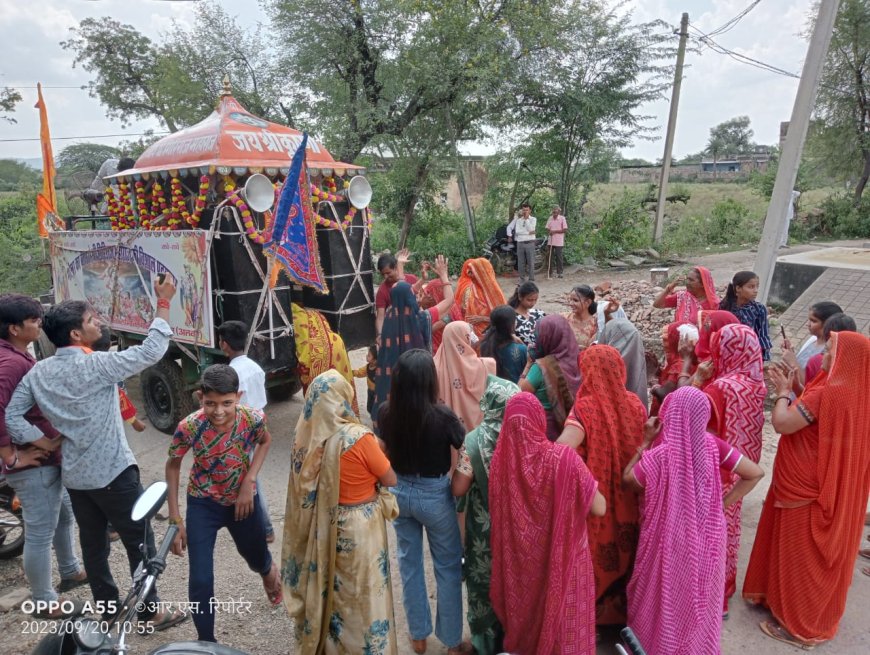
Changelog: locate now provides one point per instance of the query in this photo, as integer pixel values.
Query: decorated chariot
(245, 229)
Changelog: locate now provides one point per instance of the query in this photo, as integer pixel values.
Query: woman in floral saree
(471, 479)
(335, 564)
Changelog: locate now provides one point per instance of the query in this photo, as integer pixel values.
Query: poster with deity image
(115, 272)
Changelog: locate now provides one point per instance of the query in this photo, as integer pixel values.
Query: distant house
(726, 167)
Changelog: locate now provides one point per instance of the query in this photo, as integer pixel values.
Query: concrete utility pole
(790, 158)
(672, 126)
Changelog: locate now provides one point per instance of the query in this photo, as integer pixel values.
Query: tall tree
(178, 80)
(586, 100)
(8, 99)
(840, 135)
(733, 137)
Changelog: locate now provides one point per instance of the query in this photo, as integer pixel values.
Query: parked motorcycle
(502, 253)
(83, 636)
(11, 522)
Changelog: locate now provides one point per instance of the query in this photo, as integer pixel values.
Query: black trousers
(94, 509)
(556, 262)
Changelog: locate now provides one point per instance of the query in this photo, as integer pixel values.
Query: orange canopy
(233, 139)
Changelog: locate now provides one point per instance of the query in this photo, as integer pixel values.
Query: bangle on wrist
(787, 397)
(175, 520)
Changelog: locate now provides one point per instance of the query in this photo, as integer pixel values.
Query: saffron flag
(293, 243)
(46, 202)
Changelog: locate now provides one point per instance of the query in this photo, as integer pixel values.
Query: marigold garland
(236, 199)
(112, 204)
(159, 207)
(179, 211)
(144, 215)
(125, 209)
(201, 199)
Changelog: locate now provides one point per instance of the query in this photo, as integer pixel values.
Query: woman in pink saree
(542, 587)
(676, 592)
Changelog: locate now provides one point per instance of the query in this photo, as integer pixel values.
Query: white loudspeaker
(359, 192)
(259, 193)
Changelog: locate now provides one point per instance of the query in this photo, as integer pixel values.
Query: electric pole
(790, 159)
(672, 126)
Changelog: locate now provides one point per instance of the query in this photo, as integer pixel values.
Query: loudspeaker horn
(359, 192)
(259, 193)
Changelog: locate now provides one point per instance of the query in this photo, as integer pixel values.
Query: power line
(89, 136)
(730, 24)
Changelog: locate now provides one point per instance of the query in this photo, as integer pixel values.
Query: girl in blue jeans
(419, 434)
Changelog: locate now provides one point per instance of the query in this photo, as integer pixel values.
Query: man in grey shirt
(77, 392)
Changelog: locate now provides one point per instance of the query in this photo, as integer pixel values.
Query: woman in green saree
(471, 479)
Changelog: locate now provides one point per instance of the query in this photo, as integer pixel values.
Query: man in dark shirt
(34, 471)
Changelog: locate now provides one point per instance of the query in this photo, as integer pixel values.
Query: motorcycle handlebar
(160, 558)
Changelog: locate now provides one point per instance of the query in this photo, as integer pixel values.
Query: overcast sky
(715, 87)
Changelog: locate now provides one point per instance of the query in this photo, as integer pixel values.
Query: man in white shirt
(524, 235)
(232, 339)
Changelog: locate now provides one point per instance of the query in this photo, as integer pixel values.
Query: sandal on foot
(866, 570)
(464, 648)
(163, 620)
(864, 552)
(776, 631)
(418, 645)
(272, 585)
(68, 584)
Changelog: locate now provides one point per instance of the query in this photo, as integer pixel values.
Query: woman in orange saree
(478, 293)
(810, 528)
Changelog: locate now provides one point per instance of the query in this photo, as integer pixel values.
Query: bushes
(840, 217)
(729, 223)
(21, 249)
(624, 226)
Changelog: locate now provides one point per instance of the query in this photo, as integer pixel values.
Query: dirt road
(265, 631)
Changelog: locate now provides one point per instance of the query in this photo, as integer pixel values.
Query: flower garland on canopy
(318, 195)
(125, 209)
(144, 215)
(255, 235)
(158, 205)
(179, 206)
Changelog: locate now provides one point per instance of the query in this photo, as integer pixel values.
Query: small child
(740, 301)
(368, 371)
(128, 409)
(221, 490)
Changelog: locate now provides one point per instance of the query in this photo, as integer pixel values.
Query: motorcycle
(83, 636)
(502, 253)
(11, 522)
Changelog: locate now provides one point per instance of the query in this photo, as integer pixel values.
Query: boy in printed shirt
(220, 490)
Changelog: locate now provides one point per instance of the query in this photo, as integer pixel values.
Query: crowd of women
(567, 493)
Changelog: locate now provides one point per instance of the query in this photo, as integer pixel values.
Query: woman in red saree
(540, 494)
(608, 422)
(737, 393)
(810, 528)
(478, 293)
(669, 372)
(431, 294)
(700, 293)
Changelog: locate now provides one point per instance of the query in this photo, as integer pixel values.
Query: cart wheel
(166, 397)
(286, 391)
(43, 347)
(11, 532)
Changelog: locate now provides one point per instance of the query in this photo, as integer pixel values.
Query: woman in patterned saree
(540, 493)
(335, 564)
(471, 479)
(607, 422)
(737, 393)
(675, 593)
(809, 533)
(478, 293)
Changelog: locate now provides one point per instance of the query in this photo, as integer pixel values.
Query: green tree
(840, 135)
(77, 164)
(14, 175)
(22, 256)
(8, 99)
(733, 137)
